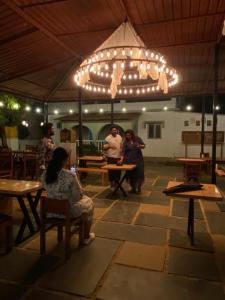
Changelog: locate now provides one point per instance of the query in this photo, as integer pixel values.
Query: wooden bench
(94, 170)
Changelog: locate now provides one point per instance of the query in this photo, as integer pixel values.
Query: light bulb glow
(165, 108)
(101, 110)
(70, 111)
(188, 107)
(38, 110)
(143, 108)
(56, 112)
(124, 109)
(28, 108)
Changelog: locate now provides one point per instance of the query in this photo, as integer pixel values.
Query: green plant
(10, 110)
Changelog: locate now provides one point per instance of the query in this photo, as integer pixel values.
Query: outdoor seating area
(112, 157)
(140, 242)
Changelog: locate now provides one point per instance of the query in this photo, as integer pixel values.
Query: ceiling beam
(11, 4)
(41, 3)
(61, 80)
(18, 35)
(34, 70)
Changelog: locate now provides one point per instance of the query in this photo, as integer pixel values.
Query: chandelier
(124, 65)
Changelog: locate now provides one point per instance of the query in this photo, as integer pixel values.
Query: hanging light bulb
(131, 64)
(114, 52)
(122, 65)
(131, 52)
(131, 91)
(108, 54)
(130, 76)
(138, 91)
(101, 55)
(146, 53)
(135, 76)
(114, 66)
(106, 67)
(123, 52)
(124, 76)
(148, 66)
(125, 91)
(143, 91)
(148, 89)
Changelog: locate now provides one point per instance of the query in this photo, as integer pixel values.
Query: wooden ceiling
(42, 42)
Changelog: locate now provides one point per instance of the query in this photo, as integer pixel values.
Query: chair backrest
(206, 154)
(6, 164)
(55, 206)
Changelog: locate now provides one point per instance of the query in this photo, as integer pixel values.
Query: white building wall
(170, 145)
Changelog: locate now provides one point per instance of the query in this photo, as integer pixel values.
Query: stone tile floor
(141, 250)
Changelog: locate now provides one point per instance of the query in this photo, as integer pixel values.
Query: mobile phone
(73, 169)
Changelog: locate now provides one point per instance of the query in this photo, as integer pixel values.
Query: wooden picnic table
(21, 190)
(124, 167)
(207, 192)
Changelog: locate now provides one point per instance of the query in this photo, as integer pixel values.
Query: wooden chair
(6, 225)
(30, 164)
(6, 164)
(62, 207)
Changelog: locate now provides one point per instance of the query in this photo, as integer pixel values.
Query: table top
(208, 192)
(115, 167)
(191, 160)
(18, 187)
(91, 158)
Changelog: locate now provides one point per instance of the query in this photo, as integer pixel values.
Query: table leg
(119, 186)
(27, 220)
(190, 229)
(33, 205)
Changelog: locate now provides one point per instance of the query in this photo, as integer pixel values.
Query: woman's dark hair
(46, 127)
(114, 126)
(131, 132)
(59, 156)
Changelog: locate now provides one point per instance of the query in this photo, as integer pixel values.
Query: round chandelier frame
(125, 70)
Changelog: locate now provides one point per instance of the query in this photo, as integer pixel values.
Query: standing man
(47, 146)
(112, 146)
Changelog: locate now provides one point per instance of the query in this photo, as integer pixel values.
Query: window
(154, 130)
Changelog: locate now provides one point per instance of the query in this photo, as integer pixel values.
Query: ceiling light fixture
(126, 57)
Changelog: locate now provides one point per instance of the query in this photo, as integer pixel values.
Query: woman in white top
(63, 184)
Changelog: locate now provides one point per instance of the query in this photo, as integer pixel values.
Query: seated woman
(132, 154)
(63, 184)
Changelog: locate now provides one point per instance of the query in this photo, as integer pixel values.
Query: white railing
(97, 143)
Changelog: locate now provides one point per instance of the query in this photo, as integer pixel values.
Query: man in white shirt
(112, 146)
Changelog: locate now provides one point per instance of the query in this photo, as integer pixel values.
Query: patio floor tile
(25, 266)
(37, 294)
(81, 274)
(126, 283)
(154, 209)
(193, 264)
(142, 256)
(179, 238)
(158, 198)
(180, 208)
(139, 234)
(216, 222)
(157, 220)
(10, 291)
(123, 212)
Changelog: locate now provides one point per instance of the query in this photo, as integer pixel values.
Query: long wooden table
(208, 192)
(21, 190)
(124, 167)
(91, 158)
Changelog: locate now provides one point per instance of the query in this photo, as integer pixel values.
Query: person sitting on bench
(64, 184)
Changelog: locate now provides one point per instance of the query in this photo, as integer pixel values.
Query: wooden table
(22, 189)
(91, 158)
(192, 166)
(124, 167)
(208, 192)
